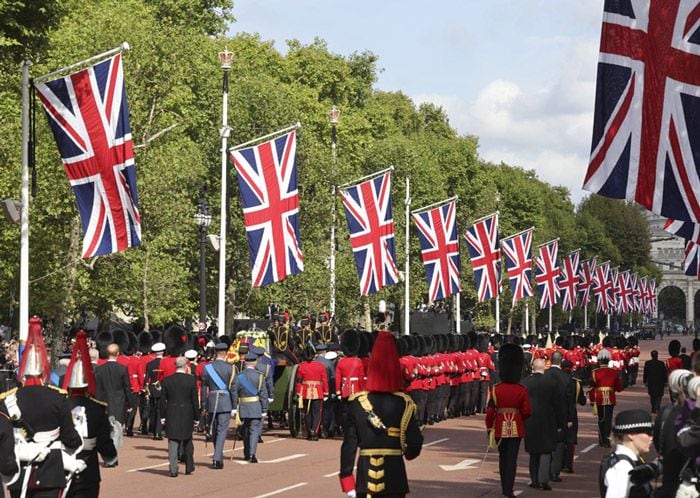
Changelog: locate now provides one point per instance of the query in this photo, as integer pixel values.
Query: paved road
(453, 462)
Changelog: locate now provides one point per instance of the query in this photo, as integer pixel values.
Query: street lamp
(333, 117)
(203, 220)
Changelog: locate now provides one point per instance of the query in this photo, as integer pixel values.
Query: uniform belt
(249, 399)
(89, 443)
(393, 432)
(380, 452)
(507, 410)
(351, 378)
(47, 436)
(604, 389)
(311, 382)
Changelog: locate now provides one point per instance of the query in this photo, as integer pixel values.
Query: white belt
(89, 443)
(351, 378)
(47, 436)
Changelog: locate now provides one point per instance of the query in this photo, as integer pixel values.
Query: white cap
(331, 355)
(158, 347)
(191, 354)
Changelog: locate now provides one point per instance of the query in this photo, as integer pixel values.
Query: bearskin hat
(145, 341)
(510, 363)
(121, 339)
(420, 345)
(482, 344)
(473, 339)
(350, 342)
(365, 345)
(607, 342)
(674, 347)
(102, 340)
(175, 340)
(133, 344)
(402, 345)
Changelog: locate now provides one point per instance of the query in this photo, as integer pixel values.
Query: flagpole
(458, 313)
(527, 316)
(225, 58)
(544, 243)
(519, 233)
(295, 126)
(120, 48)
(484, 217)
(585, 317)
(371, 175)
(24, 238)
(334, 114)
(550, 319)
(498, 311)
(406, 303)
(439, 203)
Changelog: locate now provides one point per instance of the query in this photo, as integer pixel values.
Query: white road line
(518, 492)
(576, 457)
(149, 467)
(332, 474)
(436, 442)
(588, 448)
(276, 460)
(278, 491)
(240, 447)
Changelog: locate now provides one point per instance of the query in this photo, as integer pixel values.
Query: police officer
(250, 400)
(217, 378)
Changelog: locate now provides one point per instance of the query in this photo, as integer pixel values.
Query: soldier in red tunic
(506, 411)
(604, 384)
(312, 388)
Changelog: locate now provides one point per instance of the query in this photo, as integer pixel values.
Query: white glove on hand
(351, 494)
(233, 413)
(270, 400)
(264, 414)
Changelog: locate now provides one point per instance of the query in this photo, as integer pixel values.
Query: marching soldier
(153, 377)
(381, 423)
(604, 384)
(249, 398)
(8, 463)
(90, 420)
(312, 389)
(217, 378)
(42, 414)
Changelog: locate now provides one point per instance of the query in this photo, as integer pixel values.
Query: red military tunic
(312, 381)
(167, 365)
(673, 363)
(604, 384)
(349, 376)
(507, 409)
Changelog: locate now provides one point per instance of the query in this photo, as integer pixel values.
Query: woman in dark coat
(181, 407)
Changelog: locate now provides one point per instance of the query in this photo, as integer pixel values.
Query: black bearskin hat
(133, 343)
(350, 342)
(402, 345)
(121, 339)
(420, 345)
(145, 341)
(102, 340)
(175, 339)
(482, 344)
(473, 339)
(510, 363)
(674, 347)
(365, 345)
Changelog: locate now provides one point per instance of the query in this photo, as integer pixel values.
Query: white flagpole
(295, 126)
(550, 319)
(458, 313)
(24, 238)
(498, 312)
(585, 317)
(225, 58)
(527, 317)
(406, 299)
(104, 55)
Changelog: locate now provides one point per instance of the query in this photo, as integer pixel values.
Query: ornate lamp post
(225, 58)
(203, 219)
(333, 117)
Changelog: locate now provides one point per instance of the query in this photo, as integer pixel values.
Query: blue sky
(519, 74)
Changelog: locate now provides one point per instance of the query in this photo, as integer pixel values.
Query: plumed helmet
(34, 362)
(102, 340)
(350, 342)
(175, 340)
(510, 363)
(145, 341)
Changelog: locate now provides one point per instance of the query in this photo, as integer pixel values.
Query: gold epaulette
(101, 403)
(355, 395)
(8, 393)
(56, 388)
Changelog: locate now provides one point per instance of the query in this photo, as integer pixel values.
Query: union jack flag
(547, 274)
(602, 288)
(651, 295)
(644, 294)
(690, 261)
(686, 229)
(371, 225)
(615, 289)
(569, 281)
(267, 180)
(625, 303)
(636, 293)
(89, 118)
(518, 253)
(485, 253)
(586, 280)
(645, 125)
(439, 242)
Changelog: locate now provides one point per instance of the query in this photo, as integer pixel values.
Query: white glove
(233, 413)
(27, 452)
(351, 494)
(270, 400)
(264, 414)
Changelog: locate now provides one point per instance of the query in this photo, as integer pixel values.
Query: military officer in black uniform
(381, 423)
(41, 412)
(250, 400)
(8, 462)
(91, 421)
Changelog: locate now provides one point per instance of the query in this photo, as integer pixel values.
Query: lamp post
(333, 117)
(225, 58)
(203, 219)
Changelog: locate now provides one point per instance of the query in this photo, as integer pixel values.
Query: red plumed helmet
(384, 370)
(34, 365)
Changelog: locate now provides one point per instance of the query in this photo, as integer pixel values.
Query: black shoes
(157, 438)
(545, 487)
(111, 465)
(253, 459)
(172, 474)
(217, 465)
(556, 479)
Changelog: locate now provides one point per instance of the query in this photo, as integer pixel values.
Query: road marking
(276, 460)
(518, 492)
(588, 448)
(241, 447)
(436, 442)
(149, 467)
(463, 465)
(278, 491)
(333, 474)
(576, 457)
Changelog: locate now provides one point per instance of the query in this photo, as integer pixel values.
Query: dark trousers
(37, 493)
(508, 449)
(130, 418)
(483, 395)
(569, 452)
(605, 416)
(313, 415)
(474, 397)
(539, 467)
(154, 425)
(557, 460)
(466, 389)
(143, 413)
(182, 447)
(655, 403)
(91, 491)
(419, 397)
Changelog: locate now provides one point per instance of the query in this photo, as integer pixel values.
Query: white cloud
(547, 129)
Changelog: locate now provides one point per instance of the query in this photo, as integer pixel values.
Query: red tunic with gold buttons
(507, 409)
(604, 384)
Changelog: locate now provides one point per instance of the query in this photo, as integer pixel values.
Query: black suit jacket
(113, 387)
(567, 391)
(180, 405)
(655, 377)
(548, 413)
